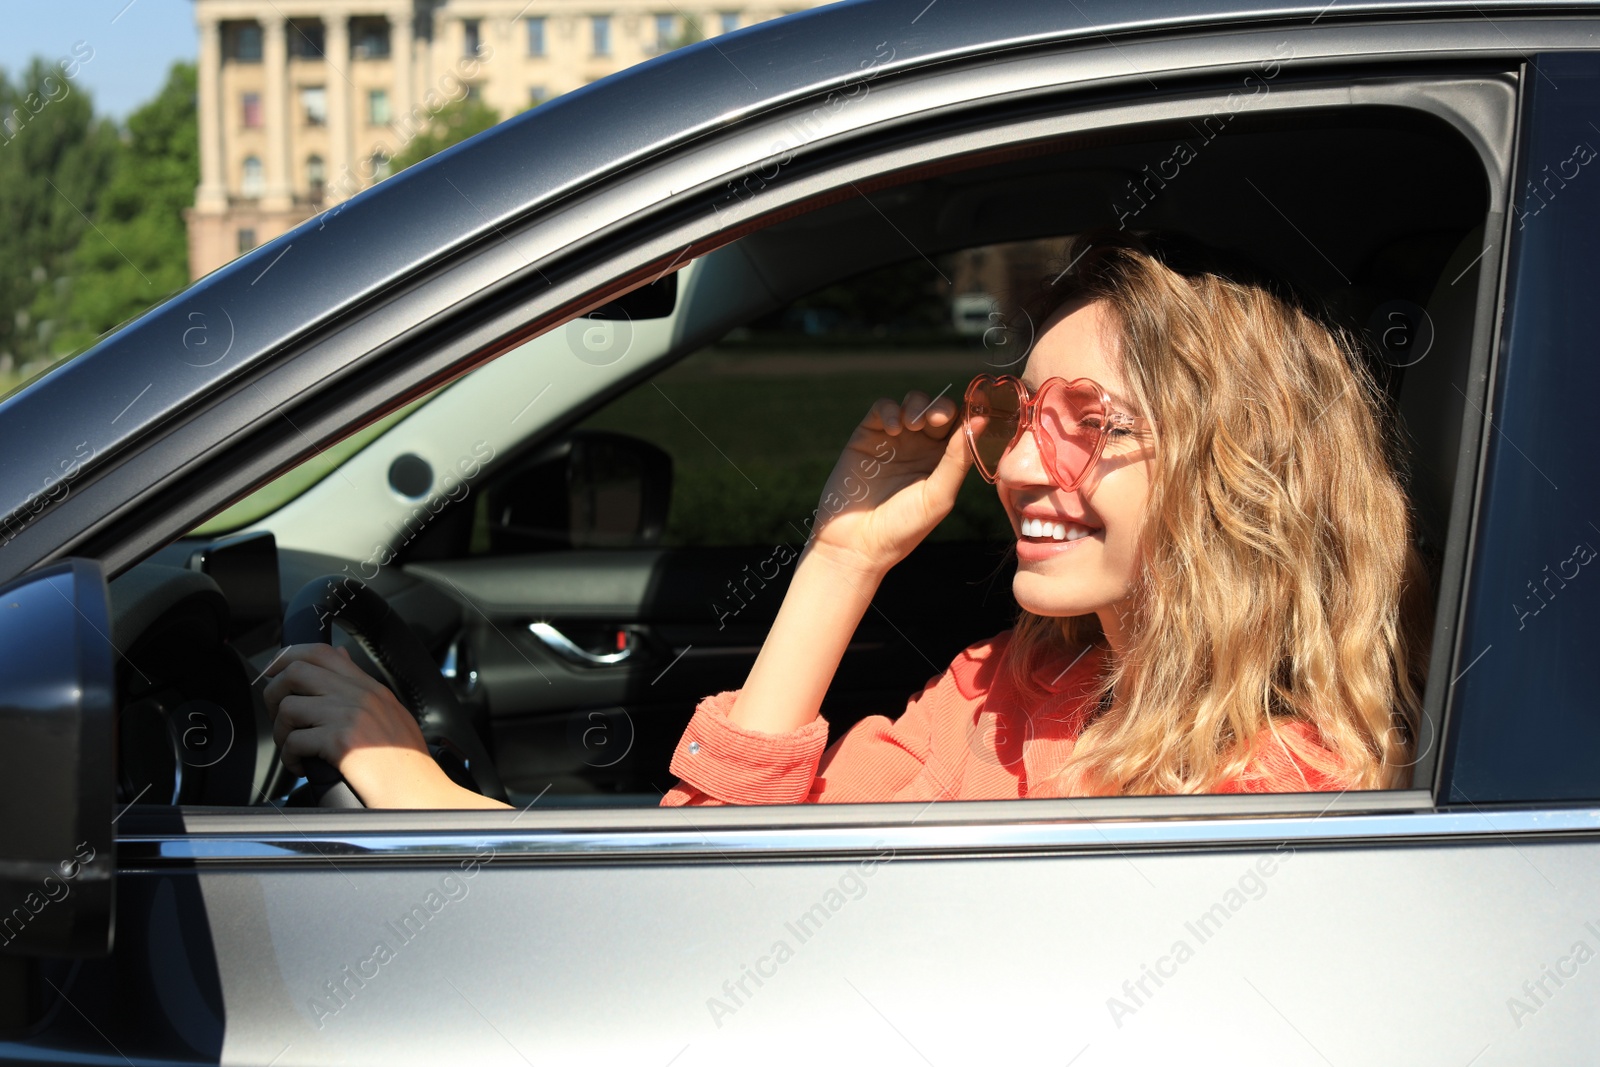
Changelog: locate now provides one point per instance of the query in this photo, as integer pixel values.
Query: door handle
(563, 646)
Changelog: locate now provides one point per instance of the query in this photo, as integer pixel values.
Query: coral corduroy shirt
(969, 735)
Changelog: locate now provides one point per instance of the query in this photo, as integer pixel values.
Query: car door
(1449, 922)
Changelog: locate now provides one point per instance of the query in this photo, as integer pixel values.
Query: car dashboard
(196, 626)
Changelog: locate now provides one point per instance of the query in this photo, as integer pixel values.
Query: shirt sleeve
(879, 759)
(718, 762)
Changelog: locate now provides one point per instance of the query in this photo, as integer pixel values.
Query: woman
(1217, 585)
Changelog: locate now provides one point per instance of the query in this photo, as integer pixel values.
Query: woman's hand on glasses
(895, 481)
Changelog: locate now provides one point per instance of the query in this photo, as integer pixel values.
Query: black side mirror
(591, 489)
(57, 693)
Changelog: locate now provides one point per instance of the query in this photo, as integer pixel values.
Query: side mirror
(591, 489)
(57, 867)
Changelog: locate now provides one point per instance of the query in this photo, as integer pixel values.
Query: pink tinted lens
(1071, 419)
(992, 410)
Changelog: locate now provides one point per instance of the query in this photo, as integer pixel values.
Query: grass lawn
(754, 436)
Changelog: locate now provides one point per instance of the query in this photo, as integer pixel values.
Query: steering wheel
(409, 671)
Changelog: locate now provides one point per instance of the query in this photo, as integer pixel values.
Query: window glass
(246, 239)
(287, 486)
(755, 423)
(600, 34)
(314, 102)
(536, 46)
(254, 182)
(728, 21)
(316, 175)
(371, 36)
(250, 106)
(305, 40)
(665, 31)
(378, 107)
(469, 36)
(247, 42)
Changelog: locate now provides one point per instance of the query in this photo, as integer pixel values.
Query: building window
(252, 110)
(254, 182)
(536, 36)
(381, 167)
(316, 176)
(247, 240)
(600, 31)
(474, 91)
(371, 36)
(537, 95)
(666, 30)
(247, 42)
(378, 107)
(729, 21)
(314, 102)
(305, 40)
(471, 34)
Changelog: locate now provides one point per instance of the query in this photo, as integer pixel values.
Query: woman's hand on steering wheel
(322, 705)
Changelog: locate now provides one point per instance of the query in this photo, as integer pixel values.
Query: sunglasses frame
(1028, 419)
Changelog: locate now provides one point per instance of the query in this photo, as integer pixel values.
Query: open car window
(593, 531)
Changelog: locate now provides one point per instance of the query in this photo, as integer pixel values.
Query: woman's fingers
(887, 414)
(916, 412)
(913, 409)
(298, 675)
(952, 469)
(939, 417)
(312, 669)
(302, 711)
(325, 656)
(305, 743)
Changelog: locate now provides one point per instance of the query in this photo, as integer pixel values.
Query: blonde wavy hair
(1279, 579)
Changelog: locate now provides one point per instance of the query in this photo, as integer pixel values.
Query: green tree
(689, 33)
(54, 158)
(452, 124)
(140, 254)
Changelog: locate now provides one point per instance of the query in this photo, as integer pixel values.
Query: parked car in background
(510, 417)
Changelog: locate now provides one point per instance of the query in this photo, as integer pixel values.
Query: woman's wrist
(847, 565)
(405, 778)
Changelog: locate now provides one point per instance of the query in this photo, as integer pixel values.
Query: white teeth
(1056, 531)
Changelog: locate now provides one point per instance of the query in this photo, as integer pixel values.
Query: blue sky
(134, 44)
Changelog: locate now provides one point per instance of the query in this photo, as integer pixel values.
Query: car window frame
(665, 250)
(1290, 98)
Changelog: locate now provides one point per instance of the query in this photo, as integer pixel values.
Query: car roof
(147, 372)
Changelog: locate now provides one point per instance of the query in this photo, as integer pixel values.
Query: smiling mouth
(1040, 530)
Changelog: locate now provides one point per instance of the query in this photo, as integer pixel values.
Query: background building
(303, 104)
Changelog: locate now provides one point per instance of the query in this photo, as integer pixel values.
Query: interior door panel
(692, 621)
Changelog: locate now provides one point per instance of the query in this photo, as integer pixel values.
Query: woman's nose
(1022, 465)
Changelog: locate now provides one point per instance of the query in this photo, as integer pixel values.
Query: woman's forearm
(820, 613)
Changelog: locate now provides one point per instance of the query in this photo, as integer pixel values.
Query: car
(535, 430)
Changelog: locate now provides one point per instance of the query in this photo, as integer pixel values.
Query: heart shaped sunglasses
(1071, 422)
